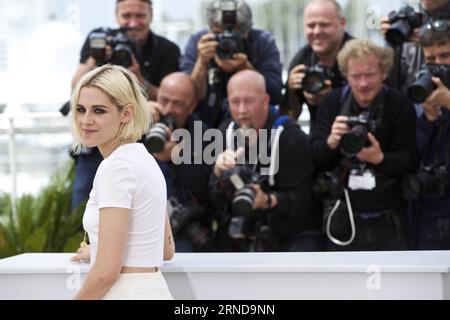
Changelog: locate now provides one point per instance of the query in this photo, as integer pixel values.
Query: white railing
(11, 129)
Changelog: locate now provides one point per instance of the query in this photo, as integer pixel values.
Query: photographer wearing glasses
(429, 187)
(229, 45)
(177, 131)
(313, 71)
(364, 139)
(401, 30)
(261, 183)
(134, 46)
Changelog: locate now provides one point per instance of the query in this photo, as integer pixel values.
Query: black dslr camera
(403, 22)
(314, 80)
(353, 141)
(123, 47)
(184, 220)
(430, 181)
(236, 184)
(157, 137)
(230, 41)
(423, 86)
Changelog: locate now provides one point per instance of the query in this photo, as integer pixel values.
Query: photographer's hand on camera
(263, 200)
(239, 62)
(439, 98)
(385, 24)
(227, 160)
(156, 110)
(296, 77)
(314, 99)
(206, 47)
(295, 81)
(338, 129)
(372, 154)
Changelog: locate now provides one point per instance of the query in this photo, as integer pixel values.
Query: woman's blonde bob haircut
(361, 49)
(122, 88)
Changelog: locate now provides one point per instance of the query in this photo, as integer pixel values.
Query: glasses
(436, 25)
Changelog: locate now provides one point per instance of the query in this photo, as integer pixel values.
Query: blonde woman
(125, 214)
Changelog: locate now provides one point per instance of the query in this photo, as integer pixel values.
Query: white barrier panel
(253, 276)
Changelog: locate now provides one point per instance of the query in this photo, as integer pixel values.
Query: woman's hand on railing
(83, 254)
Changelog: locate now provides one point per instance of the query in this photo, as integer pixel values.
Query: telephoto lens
(402, 26)
(158, 136)
(422, 88)
(243, 201)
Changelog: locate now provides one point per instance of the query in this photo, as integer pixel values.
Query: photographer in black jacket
(429, 188)
(149, 56)
(176, 141)
(262, 181)
(324, 28)
(409, 54)
(228, 45)
(365, 138)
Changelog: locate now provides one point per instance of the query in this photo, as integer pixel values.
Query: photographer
(150, 58)
(409, 55)
(324, 26)
(365, 139)
(264, 205)
(431, 220)
(230, 45)
(187, 182)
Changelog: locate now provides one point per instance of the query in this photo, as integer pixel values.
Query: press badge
(361, 180)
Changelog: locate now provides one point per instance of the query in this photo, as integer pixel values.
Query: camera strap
(350, 216)
(376, 108)
(278, 126)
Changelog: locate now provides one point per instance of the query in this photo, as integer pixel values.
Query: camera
(314, 80)
(157, 138)
(353, 141)
(430, 181)
(423, 85)
(123, 47)
(184, 220)
(251, 231)
(230, 41)
(236, 182)
(402, 25)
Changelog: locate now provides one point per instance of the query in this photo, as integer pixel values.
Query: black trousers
(375, 231)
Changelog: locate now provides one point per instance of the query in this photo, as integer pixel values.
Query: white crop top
(130, 178)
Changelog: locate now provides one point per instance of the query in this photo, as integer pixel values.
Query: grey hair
(244, 15)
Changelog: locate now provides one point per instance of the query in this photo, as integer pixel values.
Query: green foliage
(44, 223)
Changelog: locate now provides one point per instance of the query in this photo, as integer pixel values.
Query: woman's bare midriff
(138, 270)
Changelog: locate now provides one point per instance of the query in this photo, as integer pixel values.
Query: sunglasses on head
(436, 25)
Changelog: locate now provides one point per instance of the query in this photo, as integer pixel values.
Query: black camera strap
(376, 108)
